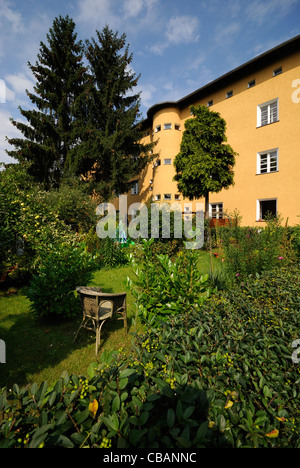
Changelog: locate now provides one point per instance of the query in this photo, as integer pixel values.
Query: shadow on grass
(39, 350)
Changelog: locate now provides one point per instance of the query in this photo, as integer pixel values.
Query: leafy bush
(221, 377)
(28, 225)
(248, 251)
(73, 206)
(51, 291)
(163, 287)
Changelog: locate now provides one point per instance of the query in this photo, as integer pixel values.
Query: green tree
(205, 163)
(110, 154)
(60, 80)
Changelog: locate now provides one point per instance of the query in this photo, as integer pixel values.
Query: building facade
(260, 102)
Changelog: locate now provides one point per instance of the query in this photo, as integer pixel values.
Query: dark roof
(259, 62)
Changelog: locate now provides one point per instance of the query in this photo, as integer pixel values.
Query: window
(251, 84)
(266, 208)
(216, 210)
(167, 126)
(167, 196)
(157, 128)
(157, 197)
(267, 113)
(277, 71)
(177, 196)
(177, 127)
(210, 103)
(229, 94)
(135, 189)
(157, 162)
(168, 161)
(267, 162)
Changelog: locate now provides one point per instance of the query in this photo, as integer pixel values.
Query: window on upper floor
(267, 113)
(167, 126)
(229, 94)
(157, 197)
(267, 161)
(167, 196)
(210, 103)
(251, 84)
(157, 128)
(177, 127)
(167, 161)
(277, 71)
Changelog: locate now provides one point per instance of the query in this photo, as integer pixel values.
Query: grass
(38, 351)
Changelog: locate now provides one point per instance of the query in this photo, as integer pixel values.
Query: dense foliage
(85, 120)
(219, 377)
(205, 162)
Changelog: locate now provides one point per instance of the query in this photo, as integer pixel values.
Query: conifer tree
(110, 153)
(60, 80)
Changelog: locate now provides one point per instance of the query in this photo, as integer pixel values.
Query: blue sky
(177, 46)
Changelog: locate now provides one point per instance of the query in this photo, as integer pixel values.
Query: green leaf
(126, 373)
(116, 403)
(170, 417)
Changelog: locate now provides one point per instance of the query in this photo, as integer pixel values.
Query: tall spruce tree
(110, 153)
(60, 81)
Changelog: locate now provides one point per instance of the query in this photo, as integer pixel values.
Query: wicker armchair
(97, 307)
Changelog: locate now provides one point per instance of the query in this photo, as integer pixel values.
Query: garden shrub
(219, 377)
(51, 290)
(248, 250)
(163, 286)
(28, 225)
(73, 206)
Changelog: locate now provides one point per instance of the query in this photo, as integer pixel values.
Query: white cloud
(179, 30)
(10, 18)
(182, 30)
(226, 34)
(19, 83)
(261, 11)
(6, 130)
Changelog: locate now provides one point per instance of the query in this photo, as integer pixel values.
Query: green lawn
(38, 351)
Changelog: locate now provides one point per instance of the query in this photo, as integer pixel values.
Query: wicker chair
(98, 307)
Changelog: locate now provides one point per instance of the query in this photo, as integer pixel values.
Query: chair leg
(98, 336)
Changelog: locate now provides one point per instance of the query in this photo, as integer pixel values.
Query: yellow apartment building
(260, 102)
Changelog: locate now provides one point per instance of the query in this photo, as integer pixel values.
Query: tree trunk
(206, 213)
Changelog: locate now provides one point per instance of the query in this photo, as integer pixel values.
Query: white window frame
(167, 126)
(229, 94)
(168, 161)
(267, 108)
(157, 128)
(167, 196)
(157, 197)
(268, 165)
(219, 210)
(177, 127)
(258, 207)
(135, 188)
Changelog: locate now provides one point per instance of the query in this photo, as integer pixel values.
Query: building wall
(240, 114)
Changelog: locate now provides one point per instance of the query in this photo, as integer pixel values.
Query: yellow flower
(93, 407)
(211, 424)
(273, 434)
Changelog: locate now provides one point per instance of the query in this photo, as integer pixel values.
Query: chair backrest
(97, 304)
